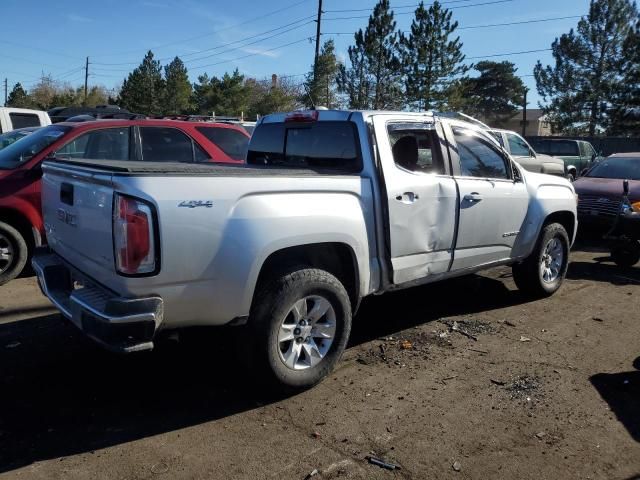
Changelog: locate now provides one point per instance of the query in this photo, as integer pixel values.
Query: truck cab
(13, 118)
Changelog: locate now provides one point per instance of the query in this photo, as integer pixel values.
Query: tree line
(592, 88)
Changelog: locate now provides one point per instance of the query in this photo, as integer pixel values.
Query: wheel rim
(552, 260)
(6, 253)
(307, 332)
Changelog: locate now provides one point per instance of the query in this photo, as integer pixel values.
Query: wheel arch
(23, 224)
(337, 258)
(565, 218)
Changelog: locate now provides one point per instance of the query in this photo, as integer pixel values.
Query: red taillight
(133, 236)
(302, 116)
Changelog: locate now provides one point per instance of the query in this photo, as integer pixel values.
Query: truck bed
(125, 168)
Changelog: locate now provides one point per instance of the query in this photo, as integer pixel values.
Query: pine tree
(18, 97)
(431, 60)
(143, 90)
(580, 86)
(177, 92)
(373, 78)
(321, 80)
(354, 82)
(496, 94)
(626, 114)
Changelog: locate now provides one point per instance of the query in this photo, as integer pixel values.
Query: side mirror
(625, 187)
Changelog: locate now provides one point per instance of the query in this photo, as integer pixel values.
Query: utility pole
(315, 63)
(6, 87)
(524, 112)
(86, 81)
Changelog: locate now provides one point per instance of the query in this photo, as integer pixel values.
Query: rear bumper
(118, 324)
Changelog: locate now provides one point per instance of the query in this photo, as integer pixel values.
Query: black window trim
(99, 128)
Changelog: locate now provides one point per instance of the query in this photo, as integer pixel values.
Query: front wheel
(299, 327)
(14, 253)
(541, 274)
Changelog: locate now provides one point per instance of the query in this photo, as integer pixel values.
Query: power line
(508, 54)
(393, 7)
(410, 13)
(197, 37)
(308, 21)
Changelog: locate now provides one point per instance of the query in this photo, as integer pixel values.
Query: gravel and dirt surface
(464, 379)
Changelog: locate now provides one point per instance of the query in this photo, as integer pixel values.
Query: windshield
(617, 167)
(12, 137)
(26, 148)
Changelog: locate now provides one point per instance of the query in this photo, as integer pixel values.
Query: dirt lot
(549, 389)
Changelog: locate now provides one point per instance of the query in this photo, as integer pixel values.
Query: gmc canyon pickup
(332, 206)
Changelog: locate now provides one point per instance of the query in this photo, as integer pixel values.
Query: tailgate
(77, 208)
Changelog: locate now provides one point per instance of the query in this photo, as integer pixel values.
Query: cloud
(73, 17)
(261, 52)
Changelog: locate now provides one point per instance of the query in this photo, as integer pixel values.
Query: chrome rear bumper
(118, 324)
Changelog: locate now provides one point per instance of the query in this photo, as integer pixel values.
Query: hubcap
(6, 253)
(552, 259)
(307, 332)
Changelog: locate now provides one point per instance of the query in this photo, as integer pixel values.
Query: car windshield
(617, 167)
(8, 138)
(26, 148)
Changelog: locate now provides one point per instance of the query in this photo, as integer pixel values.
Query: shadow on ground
(622, 392)
(604, 272)
(62, 395)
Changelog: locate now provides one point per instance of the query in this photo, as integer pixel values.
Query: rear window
(22, 120)
(560, 148)
(321, 145)
(232, 142)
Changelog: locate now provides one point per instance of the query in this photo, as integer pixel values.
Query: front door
(493, 205)
(421, 196)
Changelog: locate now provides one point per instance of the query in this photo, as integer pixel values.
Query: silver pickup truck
(331, 207)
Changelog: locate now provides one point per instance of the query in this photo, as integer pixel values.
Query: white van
(12, 118)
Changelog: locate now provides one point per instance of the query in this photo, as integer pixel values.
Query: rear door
(168, 144)
(100, 144)
(421, 196)
(493, 201)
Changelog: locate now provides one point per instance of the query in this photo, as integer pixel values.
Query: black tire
(528, 273)
(626, 254)
(271, 305)
(13, 240)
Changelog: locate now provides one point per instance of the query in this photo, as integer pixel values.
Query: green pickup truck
(578, 155)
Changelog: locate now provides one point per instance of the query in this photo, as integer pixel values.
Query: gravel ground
(463, 379)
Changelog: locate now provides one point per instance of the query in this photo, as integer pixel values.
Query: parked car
(21, 225)
(63, 114)
(526, 156)
(600, 189)
(290, 243)
(13, 118)
(8, 138)
(578, 155)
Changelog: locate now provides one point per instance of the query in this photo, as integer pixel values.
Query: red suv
(21, 226)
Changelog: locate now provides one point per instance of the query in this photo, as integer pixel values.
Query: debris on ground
(597, 319)
(511, 324)
(469, 328)
(315, 435)
(540, 435)
(522, 386)
(13, 345)
(382, 464)
(406, 345)
(160, 468)
(497, 382)
(456, 466)
(524, 339)
(313, 473)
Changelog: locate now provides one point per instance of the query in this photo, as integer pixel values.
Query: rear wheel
(299, 328)
(542, 273)
(14, 253)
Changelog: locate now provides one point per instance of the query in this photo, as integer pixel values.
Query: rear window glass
(562, 148)
(22, 120)
(233, 143)
(321, 145)
(164, 144)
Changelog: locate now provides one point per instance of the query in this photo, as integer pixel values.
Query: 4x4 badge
(196, 203)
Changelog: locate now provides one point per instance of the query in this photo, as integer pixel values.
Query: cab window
(166, 144)
(412, 147)
(478, 158)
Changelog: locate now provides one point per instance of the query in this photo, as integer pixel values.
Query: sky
(257, 37)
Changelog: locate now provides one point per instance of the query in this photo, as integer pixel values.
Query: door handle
(407, 197)
(472, 197)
